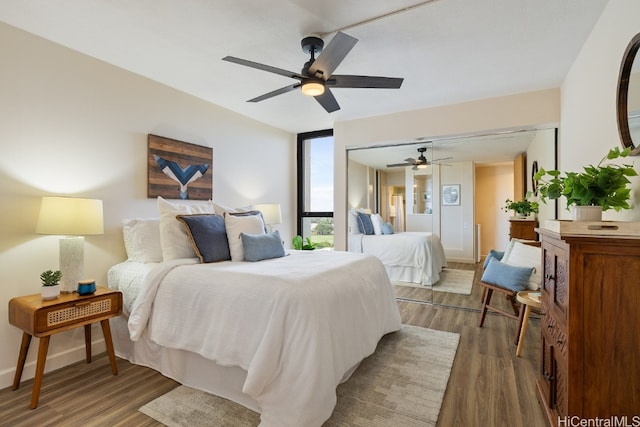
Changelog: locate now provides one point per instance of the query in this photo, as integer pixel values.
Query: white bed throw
(411, 256)
(296, 324)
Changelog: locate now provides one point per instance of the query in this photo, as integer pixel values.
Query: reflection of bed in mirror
(412, 256)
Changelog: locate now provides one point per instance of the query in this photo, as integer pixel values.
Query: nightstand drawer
(78, 311)
(74, 313)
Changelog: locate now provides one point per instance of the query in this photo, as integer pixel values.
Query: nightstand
(40, 318)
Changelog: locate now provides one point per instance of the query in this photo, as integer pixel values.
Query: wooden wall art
(178, 170)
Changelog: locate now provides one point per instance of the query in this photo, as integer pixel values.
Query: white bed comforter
(296, 324)
(411, 256)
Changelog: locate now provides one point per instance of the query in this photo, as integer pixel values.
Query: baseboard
(461, 260)
(54, 361)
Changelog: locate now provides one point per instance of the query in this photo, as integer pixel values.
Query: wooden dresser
(523, 229)
(590, 365)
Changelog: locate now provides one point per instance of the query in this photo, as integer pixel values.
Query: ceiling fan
(316, 77)
(419, 163)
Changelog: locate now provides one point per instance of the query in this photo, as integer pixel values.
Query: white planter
(587, 213)
(50, 292)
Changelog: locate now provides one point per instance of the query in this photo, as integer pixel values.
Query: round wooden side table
(529, 300)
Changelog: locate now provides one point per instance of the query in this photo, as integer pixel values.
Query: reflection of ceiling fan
(419, 163)
(317, 75)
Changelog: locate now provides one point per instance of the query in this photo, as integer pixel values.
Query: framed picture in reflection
(451, 195)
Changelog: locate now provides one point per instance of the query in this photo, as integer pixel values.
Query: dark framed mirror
(629, 97)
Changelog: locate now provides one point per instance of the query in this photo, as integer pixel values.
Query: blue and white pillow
(238, 224)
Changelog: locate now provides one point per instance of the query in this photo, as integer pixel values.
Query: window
(315, 187)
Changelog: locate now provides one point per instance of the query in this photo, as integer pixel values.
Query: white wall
(358, 185)
(589, 128)
(72, 125)
(534, 109)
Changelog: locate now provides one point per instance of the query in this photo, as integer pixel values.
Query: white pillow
(221, 209)
(248, 224)
(142, 239)
(522, 255)
(174, 240)
(377, 222)
(353, 221)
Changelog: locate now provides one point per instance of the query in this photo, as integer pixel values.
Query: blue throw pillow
(364, 223)
(208, 236)
(492, 254)
(507, 276)
(387, 228)
(257, 247)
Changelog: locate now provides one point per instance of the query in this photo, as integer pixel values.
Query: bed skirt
(185, 367)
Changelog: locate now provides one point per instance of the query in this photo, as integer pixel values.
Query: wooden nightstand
(39, 318)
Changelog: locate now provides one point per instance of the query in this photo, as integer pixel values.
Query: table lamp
(73, 218)
(271, 213)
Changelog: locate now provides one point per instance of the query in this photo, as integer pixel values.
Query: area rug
(451, 280)
(401, 384)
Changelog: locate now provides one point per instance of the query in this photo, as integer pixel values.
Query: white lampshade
(271, 213)
(72, 217)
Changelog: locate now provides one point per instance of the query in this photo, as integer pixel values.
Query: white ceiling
(448, 51)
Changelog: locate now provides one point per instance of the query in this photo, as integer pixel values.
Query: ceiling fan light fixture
(313, 87)
(422, 166)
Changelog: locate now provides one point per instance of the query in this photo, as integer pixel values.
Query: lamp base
(71, 262)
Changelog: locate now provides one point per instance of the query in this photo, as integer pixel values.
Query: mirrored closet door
(454, 188)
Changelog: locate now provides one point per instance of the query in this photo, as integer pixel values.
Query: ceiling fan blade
(264, 67)
(328, 101)
(442, 158)
(275, 93)
(395, 165)
(333, 54)
(369, 82)
(410, 160)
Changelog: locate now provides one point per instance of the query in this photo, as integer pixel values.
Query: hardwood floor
(488, 386)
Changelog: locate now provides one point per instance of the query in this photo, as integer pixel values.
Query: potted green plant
(601, 187)
(303, 244)
(522, 208)
(50, 284)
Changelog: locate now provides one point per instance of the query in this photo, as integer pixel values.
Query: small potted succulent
(50, 284)
(598, 188)
(522, 208)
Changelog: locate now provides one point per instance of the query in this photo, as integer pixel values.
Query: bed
(412, 256)
(276, 336)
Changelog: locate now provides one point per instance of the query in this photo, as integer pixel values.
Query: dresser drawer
(556, 335)
(555, 280)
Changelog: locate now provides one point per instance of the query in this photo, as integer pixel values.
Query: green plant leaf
(297, 242)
